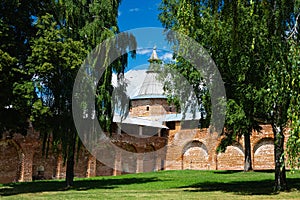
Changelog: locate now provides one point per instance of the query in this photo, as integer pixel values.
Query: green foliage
(43, 43)
(54, 63)
(15, 96)
(248, 42)
(278, 93)
(89, 21)
(186, 89)
(293, 144)
(233, 38)
(16, 88)
(64, 36)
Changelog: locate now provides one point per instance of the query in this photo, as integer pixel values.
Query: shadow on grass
(238, 171)
(47, 186)
(227, 172)
(261, 187)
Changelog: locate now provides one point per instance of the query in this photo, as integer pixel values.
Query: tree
(247, 41)
(53, 63)
(16, 93)
(235, 63)
(293, 144)
(63, 40)
(34, 59)
(280, 76)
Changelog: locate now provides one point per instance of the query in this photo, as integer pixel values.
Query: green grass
(187, 184)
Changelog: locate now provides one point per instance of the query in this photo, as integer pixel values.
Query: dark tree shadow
(268, 171)
(59, 185)
(239, 171)
(227, 172)
(262, 187)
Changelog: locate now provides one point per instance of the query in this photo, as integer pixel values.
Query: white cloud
(134, 10)
(167, 56)
(144, 51)
(119, 13)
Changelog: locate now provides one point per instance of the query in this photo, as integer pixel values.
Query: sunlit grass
(187, 184)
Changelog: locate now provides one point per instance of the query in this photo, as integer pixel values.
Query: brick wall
(231, 159)
(155, 107)
(9, 162)
(22, 159)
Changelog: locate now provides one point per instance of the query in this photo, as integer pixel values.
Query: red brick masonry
(21, 157)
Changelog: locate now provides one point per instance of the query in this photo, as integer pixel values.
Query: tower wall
(150, 107)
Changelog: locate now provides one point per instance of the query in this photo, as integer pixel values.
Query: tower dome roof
(151, 86)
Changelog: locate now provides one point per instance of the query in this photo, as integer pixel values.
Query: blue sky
(138, 13)
(135, 16)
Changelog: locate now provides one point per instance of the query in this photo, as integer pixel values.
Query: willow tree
(247, 41)
(65, 35)
(219, 28)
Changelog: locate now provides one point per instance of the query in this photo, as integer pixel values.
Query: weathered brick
(21, 158)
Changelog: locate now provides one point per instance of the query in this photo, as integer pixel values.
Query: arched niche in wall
(263, 154)
(195, 156)
(232, 158)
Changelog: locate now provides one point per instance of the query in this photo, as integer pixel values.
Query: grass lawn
(187, 184)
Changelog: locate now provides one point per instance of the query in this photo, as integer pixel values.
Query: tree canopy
(44, 44)
(16, 88)
(248, 42)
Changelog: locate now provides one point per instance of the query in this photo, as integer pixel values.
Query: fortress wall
(21, 157)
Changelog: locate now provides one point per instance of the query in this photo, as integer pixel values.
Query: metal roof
(181, 117)
(151, 86)
(174, 117)
(139, 121)
(149, 97)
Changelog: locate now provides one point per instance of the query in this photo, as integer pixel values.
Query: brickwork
(195, 157)
(195, 149)
(22, 160)
(231, 159)
(9, 164)
(103, 170)
(43, 167)
(92, 167)
(150, 107)
(263, 154)
(81, 164)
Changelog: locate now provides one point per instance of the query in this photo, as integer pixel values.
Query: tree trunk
(70, 171)
(248, 160)
(71, 163)
(280, 176)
